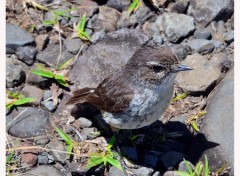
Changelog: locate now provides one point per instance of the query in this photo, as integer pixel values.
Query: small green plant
(192, 120)
(134, 6)
(17, 99)
(80, 29)
(57, 75)
(105, 157)
(180, 96)
(10, 163)
(68, 140)
(199, 170)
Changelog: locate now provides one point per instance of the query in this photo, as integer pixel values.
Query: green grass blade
(180, 96)
(9, 157)
(61, 80)
(132, 6)
(190, 171)
(206, 166)
(82, 23)
(94, 161)
(65, 137)
(114, 162)
(86, 35)
(69, 149)
(43, 73)
(66, 64)
(23, 101)
(111, 142)
(48, 22)
(198, 169)
(194, 125)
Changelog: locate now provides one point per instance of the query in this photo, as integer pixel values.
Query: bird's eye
(157, 68)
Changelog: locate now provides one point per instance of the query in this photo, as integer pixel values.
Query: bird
(138, 93)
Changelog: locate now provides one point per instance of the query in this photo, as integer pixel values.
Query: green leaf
(69, 149)
(61, 80)
(111, 142)
(23, 101)
(9, 157)
(82, 23)
(85, 35)
(180, 96)
(181, 173)
(66, 64)
(48, 22)
(43, 73)
(194, 125)
(10, 105)
(114, 162)
(198, 169)
(133, 5)
(190, 171)
(94, 161)
(206, 166)
(65, 137)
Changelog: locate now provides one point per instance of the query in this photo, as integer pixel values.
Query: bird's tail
(80, 95)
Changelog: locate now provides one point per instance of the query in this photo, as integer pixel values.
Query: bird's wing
(112, 95)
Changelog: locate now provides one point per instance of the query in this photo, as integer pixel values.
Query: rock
(179, 7)
(157, 39)
(49, 105)
(59, 146)
(88, 133)
(218, 30)
(29, 159)
(107, 19)
(31, 122)
(89, 10)
(16, 37)
(151, 160)
(43, 140)
(156, 173)
(33, 92)
(43, 158)
(47, 95)
(208, 48)
(41, 41)
(26, 54)
(120, 5)
(205, 11)
(45, 170)
(170, 173)
(104, 58)
(63, 20)
(182, 166)
(180, 50)
(202, 33)
(97, 36)
(51, 53)
(196, 44)
(72, 45)
(202, 78)
(220, 115)
(167, 23)
(83, 122)
(143, 171)
(171, 159)
(14, 75)
(229, 37)
(113, 171)
(130, 153)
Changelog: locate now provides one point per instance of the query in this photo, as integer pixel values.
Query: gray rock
(107, 19)
(218, 124)
(170, 173)
(208, 48)
(41, 41)
(9, 50)
(49, 16)
(49, 105)
(104, 58)
(202, 78)
(181, 51)
(44, 170)
(26, 54)
(202, 33)
(217, 43)
(167, 23)
(205, 11)
(196, 44)
(43, 158)
(16, 37)
(182, 166)
(229, 37)
(51, 53)
(156, 173)
(179, 7)
(143, 171)
(33, 92)
(47, 94)
(31, 122)
(130, 153)
(120, 5)
(90, 9)
(59, 146)
(113, 171)
(73, 45)
(217, 29)
(84, 122)
(14, 75)
(88, 133)
(157, 39)
(171, 159)
(97, 36)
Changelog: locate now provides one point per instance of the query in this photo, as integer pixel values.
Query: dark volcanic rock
(30, 123)
(44, 170)
(26, 54)
(14, 75)
(16, 37)
(104, 58)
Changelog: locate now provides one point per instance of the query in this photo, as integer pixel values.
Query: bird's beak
(182, 68)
